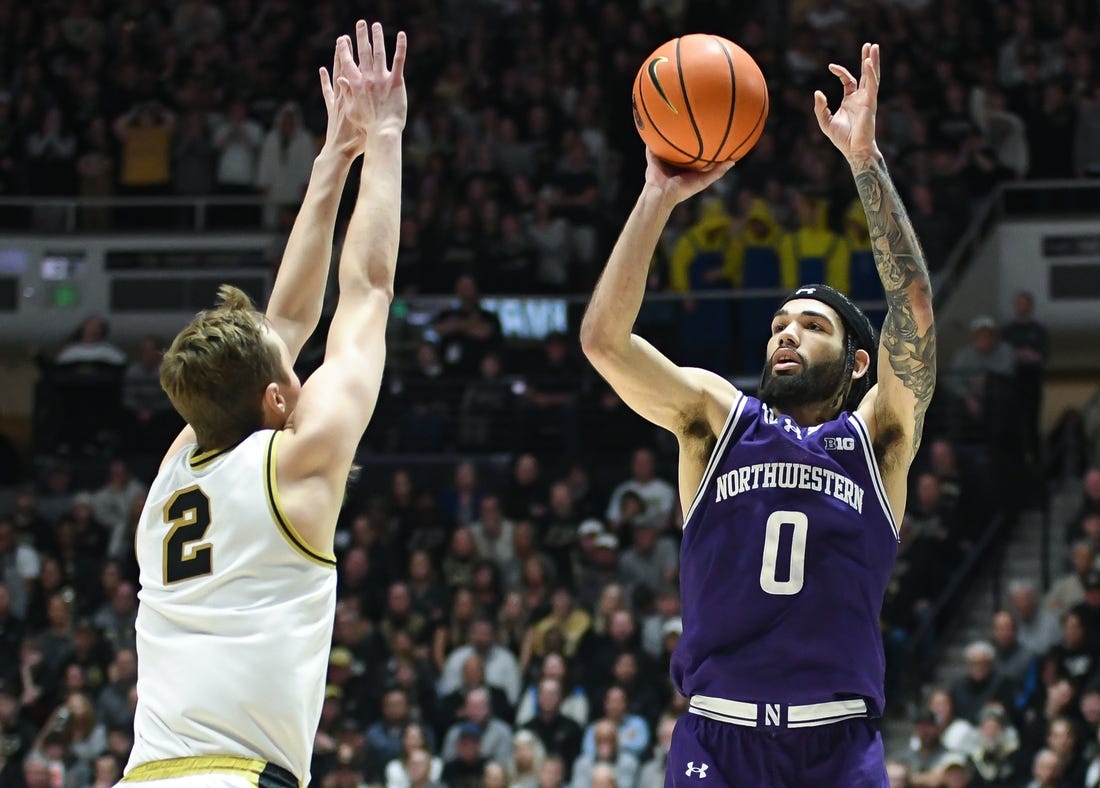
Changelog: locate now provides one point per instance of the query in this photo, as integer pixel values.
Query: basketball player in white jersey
(235, 542)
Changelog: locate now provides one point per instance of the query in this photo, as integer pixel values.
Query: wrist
(656, 199)
(865, 158)
(332, 153)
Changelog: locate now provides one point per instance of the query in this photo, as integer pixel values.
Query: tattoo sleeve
(908, 333)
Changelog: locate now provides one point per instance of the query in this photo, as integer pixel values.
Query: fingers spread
(363, 41)
(845, 77)
(399, 54)
(344, 55)
(378, 42)
(326, 87)
(821, 109)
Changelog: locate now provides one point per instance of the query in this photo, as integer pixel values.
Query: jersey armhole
(719, 449)
(864, 436)
(274, 505)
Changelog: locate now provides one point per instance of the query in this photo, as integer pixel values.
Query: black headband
(856, 323)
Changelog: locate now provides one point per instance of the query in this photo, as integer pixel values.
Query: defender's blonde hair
(217, 369)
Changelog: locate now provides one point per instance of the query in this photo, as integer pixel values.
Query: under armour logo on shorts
(692, 770)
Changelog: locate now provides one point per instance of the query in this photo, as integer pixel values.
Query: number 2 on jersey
(774, 532)
(188, 512)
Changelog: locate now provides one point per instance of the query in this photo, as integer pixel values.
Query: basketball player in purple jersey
(790, 530)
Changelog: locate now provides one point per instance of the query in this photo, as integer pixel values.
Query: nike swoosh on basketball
(657, 82)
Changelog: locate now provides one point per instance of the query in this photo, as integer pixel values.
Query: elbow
(594, 342)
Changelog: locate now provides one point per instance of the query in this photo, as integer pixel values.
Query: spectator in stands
(607, 752)
(559, 734)
(501, 667)
(1073, 654)
(89, 345)
(1037, 629)
(956, 734)
(452, 708)
(193, 159)
(145, 134)
(1069, 590)
(1028, 339)
(113, 504)
(419, 769)
(552, 238)
(1062, 741)
(493, 534)
(116, 618)
(651, 562)
(633, 730)
(972, 365)
(114, 709)
(524, 497)
(467, 768)
(467, 332)
(527, 759)
(898, 774)
(658, 495)
(1088, 609)
(237, 139)
(286, 159)
(994, 753)
(574, 703)
(1011, 659)
(19, 570)
(384, 740)
(566, 618)
(552, 398)
(926, 760)
(486, 413)
(494, 735)
(462, 502)
(152, 417)
(703, 260)
(981, 683)
(51, 151)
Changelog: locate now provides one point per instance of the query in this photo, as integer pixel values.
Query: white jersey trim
(719, 448)
(876, 476)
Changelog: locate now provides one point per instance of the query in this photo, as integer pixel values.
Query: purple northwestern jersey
(787, 551)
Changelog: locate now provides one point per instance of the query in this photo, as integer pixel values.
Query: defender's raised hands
(374, 92)
(852, 127)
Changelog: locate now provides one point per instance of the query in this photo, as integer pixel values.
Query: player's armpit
(676, 398)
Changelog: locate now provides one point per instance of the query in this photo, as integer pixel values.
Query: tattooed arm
(907, 349)
(894, 409)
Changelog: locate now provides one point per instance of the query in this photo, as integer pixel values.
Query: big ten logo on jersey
(839, 444)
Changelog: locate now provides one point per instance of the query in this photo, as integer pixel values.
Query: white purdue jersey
(235, 621)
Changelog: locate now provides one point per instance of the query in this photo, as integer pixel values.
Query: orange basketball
(700, 99)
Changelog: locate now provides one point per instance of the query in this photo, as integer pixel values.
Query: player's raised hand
(678, 184)
(377, 91)
(343, 133)
(852, 127)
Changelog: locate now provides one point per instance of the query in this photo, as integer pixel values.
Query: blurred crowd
(507, 610)
(507, 596)
(521, 156)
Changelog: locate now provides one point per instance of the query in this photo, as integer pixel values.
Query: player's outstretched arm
(299, 290)
(670, 396)
(895, 409)
(338, 399)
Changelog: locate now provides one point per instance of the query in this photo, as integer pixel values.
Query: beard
(810, 385)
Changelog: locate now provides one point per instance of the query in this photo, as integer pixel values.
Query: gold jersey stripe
(272, 487)
(202, 764)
